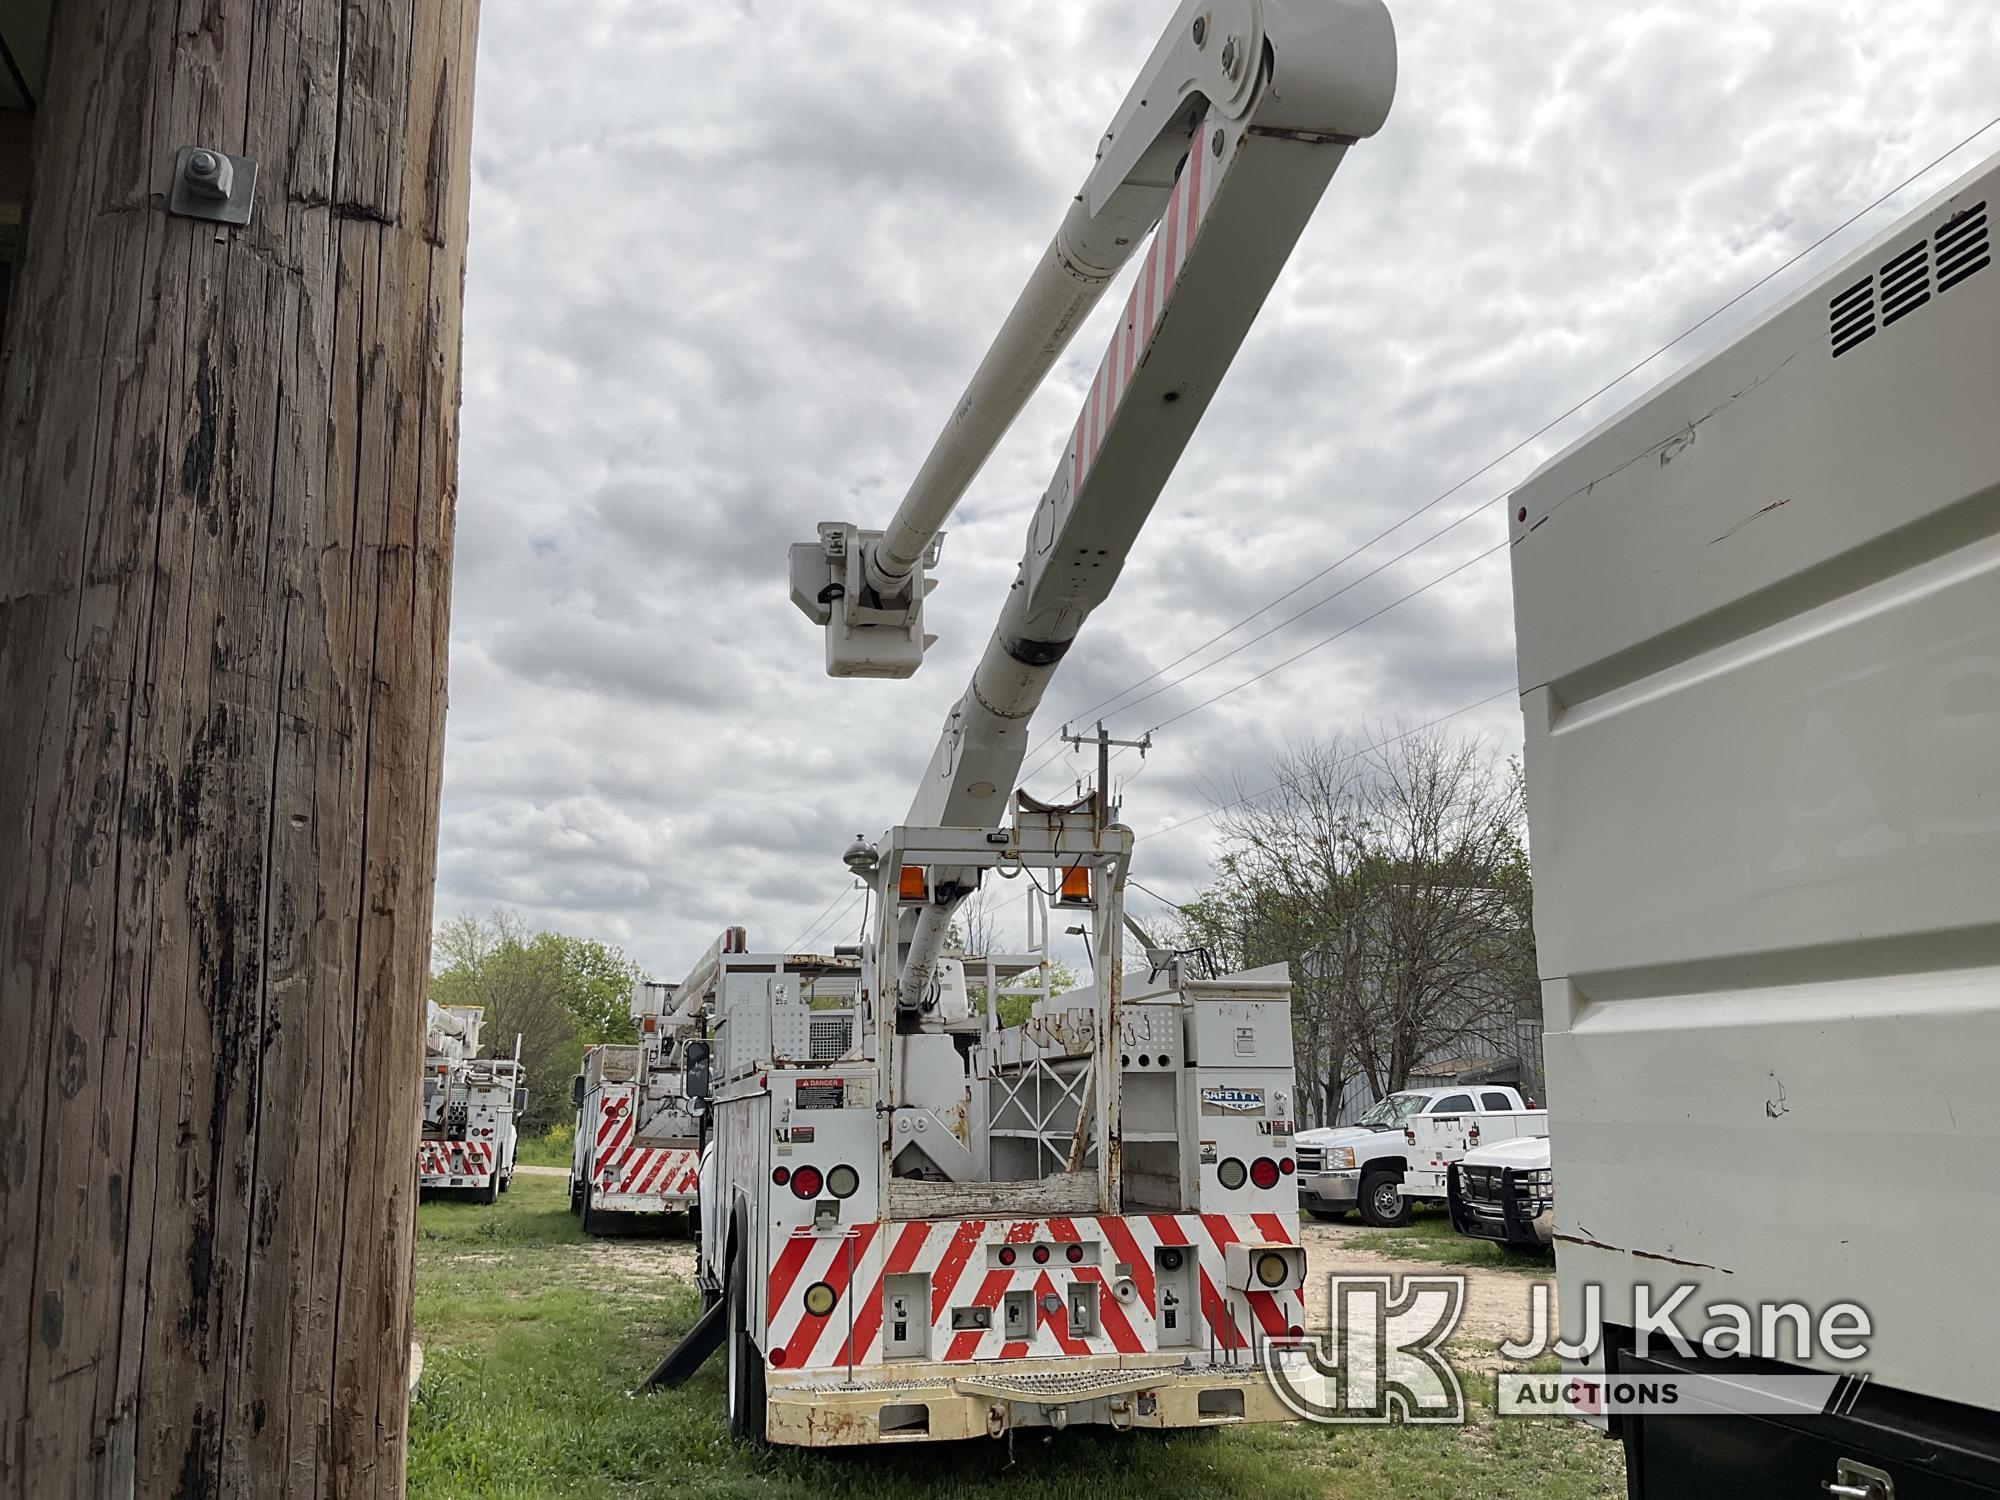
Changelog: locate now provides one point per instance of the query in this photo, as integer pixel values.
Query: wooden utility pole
(227, 461)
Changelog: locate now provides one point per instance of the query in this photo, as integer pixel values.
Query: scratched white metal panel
(1759, 624)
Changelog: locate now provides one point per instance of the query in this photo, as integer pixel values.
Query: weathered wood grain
(227, 480)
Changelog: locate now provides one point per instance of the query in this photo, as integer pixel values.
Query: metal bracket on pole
(212, 185)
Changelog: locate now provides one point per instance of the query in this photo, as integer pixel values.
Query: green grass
(1429, 1236)
(547, 1148)
(532, 1338)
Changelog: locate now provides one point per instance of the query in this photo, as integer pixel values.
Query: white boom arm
(1223, 148)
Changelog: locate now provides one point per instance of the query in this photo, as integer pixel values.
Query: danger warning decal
(820, 1093)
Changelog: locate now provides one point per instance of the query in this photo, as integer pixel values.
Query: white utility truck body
(1363, 1166)
(1759, 636)
(969, 1253)
(948, 1227)
(471, 1107)
(1435, 1141)
(637, 1144)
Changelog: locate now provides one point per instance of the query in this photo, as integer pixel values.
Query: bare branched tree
(1394, 878)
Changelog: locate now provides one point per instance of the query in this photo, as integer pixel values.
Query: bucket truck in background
(472, 1106)
(638, 1125)
(918, 1223)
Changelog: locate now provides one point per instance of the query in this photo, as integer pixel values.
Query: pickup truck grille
(1482, 1186)
(1310, 1158)
(1487, 1191)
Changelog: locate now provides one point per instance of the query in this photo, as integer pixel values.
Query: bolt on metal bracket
(213, 185)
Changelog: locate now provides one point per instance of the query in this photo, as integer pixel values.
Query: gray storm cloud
(731, 266)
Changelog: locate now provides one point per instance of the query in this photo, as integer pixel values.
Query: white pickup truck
(1504, 1191)
(1364, 1165)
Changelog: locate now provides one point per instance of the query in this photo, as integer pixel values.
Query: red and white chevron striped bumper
(1000, 1291)
(627, 1177)
(454, 1163)
(646, 1179)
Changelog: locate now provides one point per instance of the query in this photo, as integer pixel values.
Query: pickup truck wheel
(491, 1192)
(1381, 1205)
(575, 1196)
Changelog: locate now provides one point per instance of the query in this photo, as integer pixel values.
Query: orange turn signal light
(911, 885)
(1075, 888)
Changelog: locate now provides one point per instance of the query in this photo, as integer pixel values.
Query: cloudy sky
(733, 262)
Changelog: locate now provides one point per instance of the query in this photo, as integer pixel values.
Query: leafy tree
(557, 993)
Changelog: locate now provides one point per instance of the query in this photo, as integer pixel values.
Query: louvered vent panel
(1910, 278)
(1961, 247)
(1853, 315)
(1906, 282)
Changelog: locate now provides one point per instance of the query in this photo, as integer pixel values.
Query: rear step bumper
(930, 1402)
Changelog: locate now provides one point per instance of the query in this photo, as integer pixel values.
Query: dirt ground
(1496, 1302)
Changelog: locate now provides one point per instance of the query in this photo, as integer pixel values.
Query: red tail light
(781, 1175)
(1073, 1254)
(806, 1182)
(1041, 1253)
(1264, 1172)
(1006, 1255)
(1287, 1165)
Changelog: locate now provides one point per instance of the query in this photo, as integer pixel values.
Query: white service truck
(1438, 1138)
(1365, 1165)
(472, 1107)
(1758, 622)
(918, 1223)
(637, 1144)
(915, 1227)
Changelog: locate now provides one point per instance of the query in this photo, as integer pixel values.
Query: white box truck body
(1759, 636)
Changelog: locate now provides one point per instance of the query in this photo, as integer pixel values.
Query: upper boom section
(1318, 72)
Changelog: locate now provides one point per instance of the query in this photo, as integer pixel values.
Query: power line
(1693, 328)
(1289, 619)
(1223, 807)
(797, 944)
(1175, 905)
(1329, 640)
(1277, 787)
(1323, 641)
